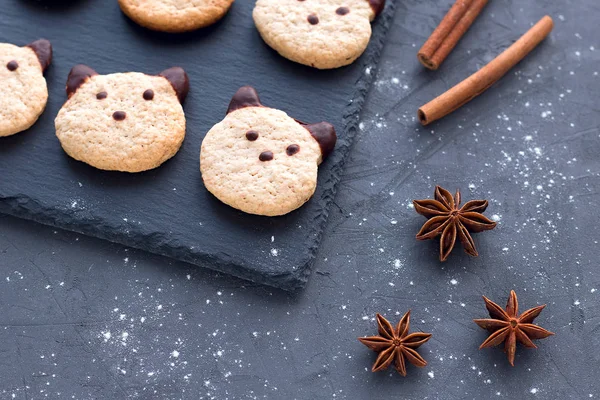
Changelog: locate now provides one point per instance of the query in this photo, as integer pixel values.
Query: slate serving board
(168, 211)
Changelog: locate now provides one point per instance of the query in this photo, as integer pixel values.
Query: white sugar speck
(274, 252)
(453, 281)
(533, 391)
(496, 217)
(175, 354)
(430, 373)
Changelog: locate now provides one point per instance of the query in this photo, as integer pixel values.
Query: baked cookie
(319, 33)
(129, 122)
(260, 160)
(23, 90)
(175, 15)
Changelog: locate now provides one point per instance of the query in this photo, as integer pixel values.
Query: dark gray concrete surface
(86, 319)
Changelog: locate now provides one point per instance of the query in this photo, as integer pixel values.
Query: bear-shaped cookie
(128, 122)
(23, 92)
(323, 34)
(261, 161)
(175, 15)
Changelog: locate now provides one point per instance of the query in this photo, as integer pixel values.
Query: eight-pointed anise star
(448, 219)
(507, 326)
(396, 344)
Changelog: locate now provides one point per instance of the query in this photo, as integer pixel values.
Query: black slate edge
(24, 207)
(351, 121)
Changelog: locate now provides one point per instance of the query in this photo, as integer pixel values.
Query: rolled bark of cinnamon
(477, 83)
(444, 38)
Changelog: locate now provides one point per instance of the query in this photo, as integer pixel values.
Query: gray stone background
(83, 318)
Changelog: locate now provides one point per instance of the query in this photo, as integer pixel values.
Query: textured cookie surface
(23, 90)
(232, 169)
(123, 122)
(319, 33)
(175, 15)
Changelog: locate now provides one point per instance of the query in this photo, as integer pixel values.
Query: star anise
(448, 219)
(507, 326)
(396, 344)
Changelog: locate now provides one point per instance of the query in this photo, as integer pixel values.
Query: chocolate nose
(119, 115)
(266, 156)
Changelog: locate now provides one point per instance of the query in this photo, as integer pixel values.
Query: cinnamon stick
(486, 76)
(454, 25)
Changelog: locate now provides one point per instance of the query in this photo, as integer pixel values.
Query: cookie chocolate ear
(43, 49)
(377, 6)
(246, 96)
(179, 80)
(77, 77)
(324, 133)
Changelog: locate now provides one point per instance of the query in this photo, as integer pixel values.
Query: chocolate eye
(12, 65)
(313, 19)
(342, 11)
(101, 95)
(252, 135)
(292, 149)
(149, 94)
